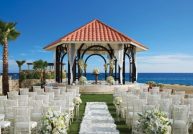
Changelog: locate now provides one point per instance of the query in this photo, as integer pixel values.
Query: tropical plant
(20, 63)
(40, 66)
(153, 122)
(8, 32)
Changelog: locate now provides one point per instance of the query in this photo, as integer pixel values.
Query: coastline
(178, 87)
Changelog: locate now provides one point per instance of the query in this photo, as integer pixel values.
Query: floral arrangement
(81, 64)
(105, 67)
(111, 64)
(110, 80)
(153, 122)
(96, 71)
(82, 80)
(77, 101)
(117, 101)
(53, 122)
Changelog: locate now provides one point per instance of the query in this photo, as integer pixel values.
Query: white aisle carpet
(97, 120)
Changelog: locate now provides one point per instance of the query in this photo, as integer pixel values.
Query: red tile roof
(95, 31)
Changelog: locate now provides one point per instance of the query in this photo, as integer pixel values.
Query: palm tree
(40, 66)
(8, 32)
(20, 63)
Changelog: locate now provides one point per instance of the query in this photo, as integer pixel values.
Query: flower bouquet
(53, 122)
(117, 101)
(153, 122)
(96, 71)
(110, 80)
(77, 101)
(82, 80)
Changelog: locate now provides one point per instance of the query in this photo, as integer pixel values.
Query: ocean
(166, 78)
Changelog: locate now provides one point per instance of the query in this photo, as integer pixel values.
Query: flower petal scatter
(153, 122)
(53, 122)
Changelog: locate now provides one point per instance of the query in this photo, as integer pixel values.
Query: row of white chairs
(178, 108)
(25, 111)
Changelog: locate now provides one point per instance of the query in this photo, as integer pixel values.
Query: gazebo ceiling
(96, 32)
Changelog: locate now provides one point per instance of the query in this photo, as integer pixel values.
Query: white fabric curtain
(71, 57)
(119, 55)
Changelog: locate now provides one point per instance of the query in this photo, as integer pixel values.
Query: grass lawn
(75, 126)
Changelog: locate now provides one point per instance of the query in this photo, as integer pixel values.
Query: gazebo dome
(97, 32)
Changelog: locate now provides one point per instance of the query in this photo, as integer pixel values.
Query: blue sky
(164, 26)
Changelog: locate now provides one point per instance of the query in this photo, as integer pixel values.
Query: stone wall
(14, 84)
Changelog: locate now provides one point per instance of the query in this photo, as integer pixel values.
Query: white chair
(53, 108)
(180, 119)
(137, 109)
(2, 106)
(154, 90)
(51, 95)
(56, 91)
(32, 95)
(9, 111)
(165, 94)
(12, 95)
(38, 90)
(166, 106)
(129, 112)
(48, 89)
(37, 109)
(149, 107)
(45, 99)
(22, 121)
(24, 91)
(176, 99)
(3, 97)
(23, 100)
(153, 99)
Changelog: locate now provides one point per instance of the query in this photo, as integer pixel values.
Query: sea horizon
(165, 78)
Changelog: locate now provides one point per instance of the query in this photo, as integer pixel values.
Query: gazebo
(95, 38)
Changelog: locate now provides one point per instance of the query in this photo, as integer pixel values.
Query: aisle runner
(97, 120)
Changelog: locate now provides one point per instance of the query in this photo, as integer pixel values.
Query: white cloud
(165, 63)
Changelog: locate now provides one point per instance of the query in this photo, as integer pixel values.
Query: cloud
(165, 63)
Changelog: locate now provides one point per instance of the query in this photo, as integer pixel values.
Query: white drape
(71, 58)
(119, 55)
